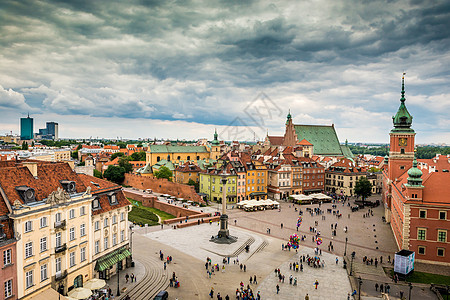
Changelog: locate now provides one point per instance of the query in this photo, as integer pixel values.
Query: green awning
(112, 258)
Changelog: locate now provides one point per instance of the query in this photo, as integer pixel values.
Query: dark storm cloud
(205, 61)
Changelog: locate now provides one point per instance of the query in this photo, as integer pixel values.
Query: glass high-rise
(26, 128)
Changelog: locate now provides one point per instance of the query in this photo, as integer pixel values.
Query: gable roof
(304, 142)
(323, 138)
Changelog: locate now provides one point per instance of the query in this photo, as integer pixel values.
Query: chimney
(32, 166)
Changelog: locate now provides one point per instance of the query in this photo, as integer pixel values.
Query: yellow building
(175, 154)
(256, 184)
(185, 172)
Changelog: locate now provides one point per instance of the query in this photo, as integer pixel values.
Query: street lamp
(351, 263)
(359, 287)
(118, 277)
(410, 288)
(345, 250)
(131, 242)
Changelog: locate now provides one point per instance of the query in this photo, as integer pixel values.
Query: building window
(44, 275)
(58, 217)
(114, 219)
(96, 204)
(43, 222)
(28, 249)
(28, 226)
(97, 225)
(82, 254)
(112, 199)
(82, 230)
(58, 239)
(43, 244)
(8, 288)
(421, 234)
(122, 236)
(440, 252)
(442, 215)
(105, 222)
(82, 211)
(72, 213)
(422, 214)
(7, 257)
(114, 239)
(105, 243)
(442, 236)
(29, 279)
(97, 247)
(72, 234)
(72, 259)
(421, 250)
(122, 216)
(58, 264)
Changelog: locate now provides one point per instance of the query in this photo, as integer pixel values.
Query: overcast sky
(179, 69)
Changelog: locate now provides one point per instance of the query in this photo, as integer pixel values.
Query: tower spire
(402, 99)
(402, 119)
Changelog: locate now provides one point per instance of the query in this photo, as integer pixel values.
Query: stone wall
(163, 186)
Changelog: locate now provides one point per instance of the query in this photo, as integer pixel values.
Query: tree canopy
(125, 164)
(164, 172)
(138, 156)
(363, 188)
(117, 154)
(115, 174)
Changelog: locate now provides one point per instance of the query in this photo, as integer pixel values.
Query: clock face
(402, 141)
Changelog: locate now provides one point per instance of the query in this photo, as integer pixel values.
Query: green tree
(97, 173)
(139, 145)
(363, 188)
(164, 172)
(195, 184)
(75, 154)
(374, 170)
(125, 164)
(115, 174)
(24, 146)
(82, 163)
(138, 156)
(32, 144)
(117, 154)
(79, 147)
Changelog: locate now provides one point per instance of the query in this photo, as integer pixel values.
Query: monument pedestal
(223, 237)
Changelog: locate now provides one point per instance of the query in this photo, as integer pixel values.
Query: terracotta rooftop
(276, 140)
(304, 142)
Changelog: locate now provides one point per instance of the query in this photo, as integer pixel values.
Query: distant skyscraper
(26, 128)
(52, 129)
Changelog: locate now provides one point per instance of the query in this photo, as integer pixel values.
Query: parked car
(162, 295)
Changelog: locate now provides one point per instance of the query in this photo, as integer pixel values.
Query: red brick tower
(401, 153)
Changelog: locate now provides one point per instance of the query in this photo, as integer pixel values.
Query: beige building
(51, 212)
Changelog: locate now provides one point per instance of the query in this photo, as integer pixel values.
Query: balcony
(62, 248)
(60, 275)
(60, 225)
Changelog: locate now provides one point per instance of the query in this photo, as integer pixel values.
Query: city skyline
(148, 69)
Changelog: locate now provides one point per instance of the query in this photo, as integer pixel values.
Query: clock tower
(401, 152)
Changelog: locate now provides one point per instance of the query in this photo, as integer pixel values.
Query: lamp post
(118, 277)
(345, 249)
(359, 287)
(131, 242)
(410, 288)
(351, 263)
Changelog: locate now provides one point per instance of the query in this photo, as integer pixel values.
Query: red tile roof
(276, 140)
(304, 142)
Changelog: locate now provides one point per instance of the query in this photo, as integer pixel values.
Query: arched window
(178, 157)
(158, 158)
(188, 157)
(198, 157)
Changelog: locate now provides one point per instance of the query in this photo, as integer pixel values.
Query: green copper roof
(165, 163)
(347, 152)
(177, 149)
(414, 175)
(145, 170)
(323, 138)
(288, 116)
(402, 119)
(215, 142)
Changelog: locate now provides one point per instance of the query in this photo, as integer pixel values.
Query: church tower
(215, 147)
(401, 152)
(290, 136)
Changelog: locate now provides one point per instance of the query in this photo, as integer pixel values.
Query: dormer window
(69, 186)
(112, 198)
(2, 232)
(95, 204)
(26, 193)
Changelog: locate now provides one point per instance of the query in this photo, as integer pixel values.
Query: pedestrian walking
(381, 288)
(307, 297)
(316, 283)
(127, 277)
(165, 265)
(245, 268)
(132, 277)
(376, 287)
(254, 279)
(278, 288)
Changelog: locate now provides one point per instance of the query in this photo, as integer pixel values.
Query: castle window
(421, 250)
(442, 215)
(188, 158)
(402, 151)
(422, 214)
(440, 251)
